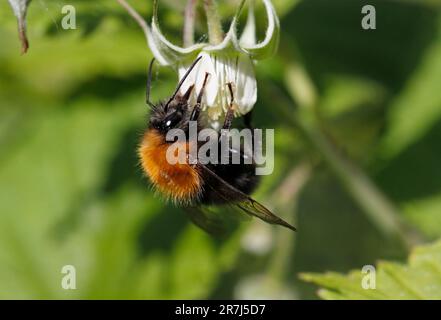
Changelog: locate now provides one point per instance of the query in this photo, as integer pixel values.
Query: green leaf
(416, 110)
(420, 278)
(424, 213)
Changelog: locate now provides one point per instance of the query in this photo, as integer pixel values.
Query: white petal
(248, 37)
(163, 50)
(19, 7)
(237, 70)
(206, 65)
(166, 52)
(189, 81)
(246, 85)
(270, 43)
(223, 70)
(197, 76)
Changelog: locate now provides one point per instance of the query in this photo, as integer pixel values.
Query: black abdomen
(240, 176)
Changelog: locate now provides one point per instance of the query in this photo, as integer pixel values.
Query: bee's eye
(172, 120)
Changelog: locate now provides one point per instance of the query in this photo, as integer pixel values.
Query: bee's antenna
(182, 81)
(149, 84)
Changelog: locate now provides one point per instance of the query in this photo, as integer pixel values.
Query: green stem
(189, 23)
(373, 202)
(215, 33)
(285, 198)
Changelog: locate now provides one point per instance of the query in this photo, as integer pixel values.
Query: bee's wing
(246, 203)
(211, 221)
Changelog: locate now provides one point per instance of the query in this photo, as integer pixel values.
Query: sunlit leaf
(417, 108)
(418, 279)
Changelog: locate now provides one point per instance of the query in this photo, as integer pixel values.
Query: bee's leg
(228, 118)
(197, 108)
(230, 112)
(228, 121)
(149, 84)
(187, 93)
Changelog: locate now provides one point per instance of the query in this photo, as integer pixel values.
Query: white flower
(229, 62)
(238, 70)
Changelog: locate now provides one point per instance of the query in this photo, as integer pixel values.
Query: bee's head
(174, 113)
(170, 115)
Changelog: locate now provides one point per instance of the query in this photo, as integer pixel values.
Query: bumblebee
(193, 185)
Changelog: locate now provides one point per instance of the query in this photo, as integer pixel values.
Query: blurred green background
(357, 118)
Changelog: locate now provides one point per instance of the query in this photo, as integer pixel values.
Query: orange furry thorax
(178, 182)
